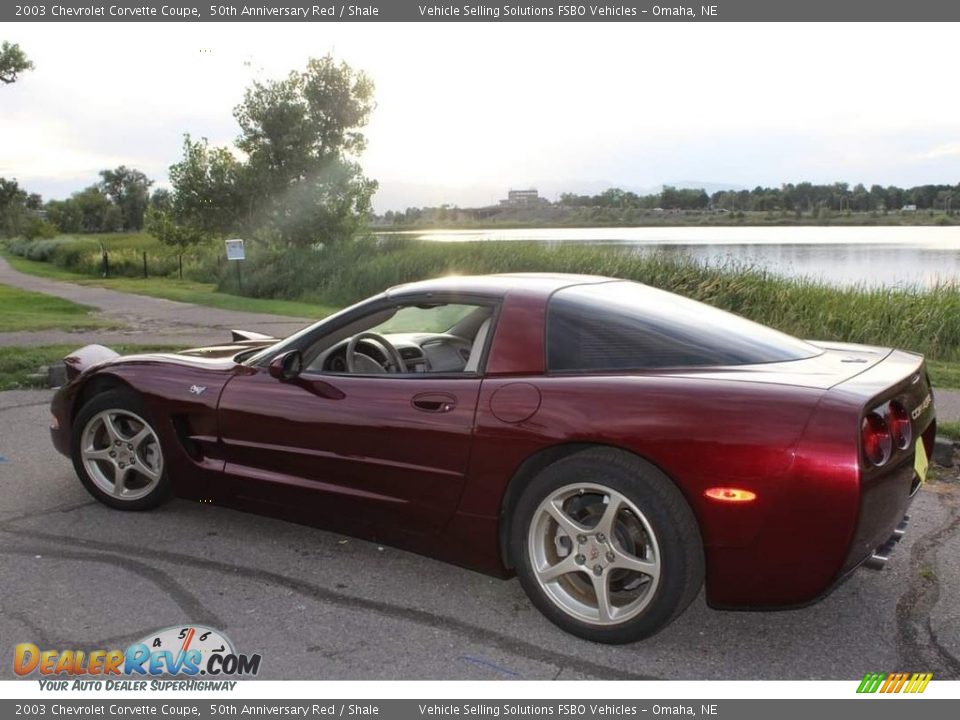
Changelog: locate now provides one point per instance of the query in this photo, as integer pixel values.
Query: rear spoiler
(242, 335)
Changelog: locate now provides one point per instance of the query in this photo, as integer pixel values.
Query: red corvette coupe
(612, 444)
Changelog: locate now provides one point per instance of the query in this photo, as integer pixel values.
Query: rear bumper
(884, 500)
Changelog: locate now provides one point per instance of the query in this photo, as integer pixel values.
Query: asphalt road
(316, 605)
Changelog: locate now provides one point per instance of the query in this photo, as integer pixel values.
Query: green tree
(12, 62)
(161, 199)
(129, 190)
(161, 224)
(301, 183)
(96, 212)
(13, 208)
(208, 189)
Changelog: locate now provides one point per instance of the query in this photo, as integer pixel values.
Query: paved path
(141, 319)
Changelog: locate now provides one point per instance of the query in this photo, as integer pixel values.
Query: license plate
(920, 462)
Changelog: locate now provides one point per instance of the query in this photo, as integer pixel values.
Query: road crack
(917, 643)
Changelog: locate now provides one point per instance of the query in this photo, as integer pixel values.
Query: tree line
(790, 197)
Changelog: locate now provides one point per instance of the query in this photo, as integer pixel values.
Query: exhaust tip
(879, 558)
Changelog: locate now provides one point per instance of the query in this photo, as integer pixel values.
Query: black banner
(437, 11)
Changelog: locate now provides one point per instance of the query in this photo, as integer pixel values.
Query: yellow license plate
(920, 462)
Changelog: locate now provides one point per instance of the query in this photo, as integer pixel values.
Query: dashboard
(421, 353)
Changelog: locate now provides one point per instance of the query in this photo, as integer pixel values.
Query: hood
(94, 355)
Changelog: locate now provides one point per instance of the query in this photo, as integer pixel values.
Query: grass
(25, 311)
(17, 364)
(948, 429)
(944, 374)
(189, 291)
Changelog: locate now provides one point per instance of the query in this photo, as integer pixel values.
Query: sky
(467, 111)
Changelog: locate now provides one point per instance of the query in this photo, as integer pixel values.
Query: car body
(722, 449)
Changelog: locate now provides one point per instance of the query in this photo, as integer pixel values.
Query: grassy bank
(311, 281)
(21, 310)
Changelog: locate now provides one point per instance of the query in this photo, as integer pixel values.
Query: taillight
(877, 442)
(899, 423)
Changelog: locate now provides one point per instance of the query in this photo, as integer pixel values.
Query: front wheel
(117, 454)
(606, 546)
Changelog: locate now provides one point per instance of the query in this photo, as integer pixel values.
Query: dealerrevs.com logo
(180, 652)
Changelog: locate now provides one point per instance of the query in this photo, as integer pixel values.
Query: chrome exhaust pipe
(879, 558)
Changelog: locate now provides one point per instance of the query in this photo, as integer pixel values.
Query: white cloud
(946, 150)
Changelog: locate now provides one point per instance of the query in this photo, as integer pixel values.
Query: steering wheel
(394, 361)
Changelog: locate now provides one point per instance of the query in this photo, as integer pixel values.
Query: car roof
(499, 285)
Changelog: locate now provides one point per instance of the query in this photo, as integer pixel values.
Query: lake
(893, 256)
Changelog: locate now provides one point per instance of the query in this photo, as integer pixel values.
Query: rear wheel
(117, 454)
(606, 546)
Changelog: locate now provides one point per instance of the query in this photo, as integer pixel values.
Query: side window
(413, 338)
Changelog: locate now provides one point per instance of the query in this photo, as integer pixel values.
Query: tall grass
(919, 319)
(925, 320)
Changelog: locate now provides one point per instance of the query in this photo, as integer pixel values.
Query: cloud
(947, 150)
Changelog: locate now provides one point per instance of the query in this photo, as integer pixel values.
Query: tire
(645, 556)
(115, 438)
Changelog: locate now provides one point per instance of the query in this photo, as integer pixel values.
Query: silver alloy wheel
(121, 454)
(594, 554)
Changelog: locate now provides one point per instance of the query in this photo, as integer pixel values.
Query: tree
(301, 135)
(161, 225)
(96, 212)
(12, 61)
(13, 208)
(208, 189)
(161, 199)
(129, 190)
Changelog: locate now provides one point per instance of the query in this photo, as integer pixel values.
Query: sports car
(614, 445)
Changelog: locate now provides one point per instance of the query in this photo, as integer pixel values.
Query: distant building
(522, 197)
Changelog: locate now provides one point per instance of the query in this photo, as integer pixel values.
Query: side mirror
(286, 366)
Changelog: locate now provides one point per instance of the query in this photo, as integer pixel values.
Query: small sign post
(236, 252)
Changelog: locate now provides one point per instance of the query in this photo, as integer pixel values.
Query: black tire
(662, 509)
(127, 411)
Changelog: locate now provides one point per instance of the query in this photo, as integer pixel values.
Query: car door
(382, 451)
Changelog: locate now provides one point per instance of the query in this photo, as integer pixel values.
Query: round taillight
(877, 442)
(899, 423)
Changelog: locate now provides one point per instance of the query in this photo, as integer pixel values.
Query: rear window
(624, 325)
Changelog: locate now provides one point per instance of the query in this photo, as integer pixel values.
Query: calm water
(837, 255)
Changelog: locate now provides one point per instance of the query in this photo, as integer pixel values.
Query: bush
(84, 254)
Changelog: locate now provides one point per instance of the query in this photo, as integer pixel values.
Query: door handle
(434, 402)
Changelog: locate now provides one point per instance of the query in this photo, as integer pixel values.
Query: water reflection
(837, 255)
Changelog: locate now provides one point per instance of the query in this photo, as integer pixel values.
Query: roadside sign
(235, 250)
